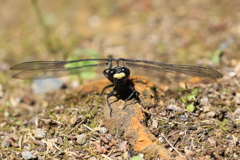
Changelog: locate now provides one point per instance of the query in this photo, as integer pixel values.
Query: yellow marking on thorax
(119, 75)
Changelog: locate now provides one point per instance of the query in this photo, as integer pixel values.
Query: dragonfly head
(117, 75)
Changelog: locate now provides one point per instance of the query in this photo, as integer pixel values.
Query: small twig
(171, 145)
(47, 121)
(111, 151)
(176, 141)
(77, 126)
(20, 141)
(56, 146)
(36, 121)
(88, 127)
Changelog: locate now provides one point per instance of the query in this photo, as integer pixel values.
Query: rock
(28, 155)
(39, 133)
(6, 144)
(211, 114)
(81, 139)
(183, 118)
(161, 139)
(122, 146)
(101, 130)
(236, 113)
(155, 123)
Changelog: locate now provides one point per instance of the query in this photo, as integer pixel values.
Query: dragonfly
(116, 71)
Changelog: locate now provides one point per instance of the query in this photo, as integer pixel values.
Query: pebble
(154, 123)
(39, 133)
(101, 130)
(206, 105)
(184, 117)
(14, 101)
(28, 155)
(73, 119)
(6, 144)
(204, 99)
(211, 114)
(81, 139)
(237, 98)
(235, 155)
(236, 113)
(161, 139)
(181, 133)
(122, 146)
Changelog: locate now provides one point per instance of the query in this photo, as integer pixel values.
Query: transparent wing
(174, 68)
(50, 69)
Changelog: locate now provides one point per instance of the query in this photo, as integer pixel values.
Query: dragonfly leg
(134, 93)
(108, 86)
(108, 96)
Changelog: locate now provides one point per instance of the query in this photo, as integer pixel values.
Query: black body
(119, 77)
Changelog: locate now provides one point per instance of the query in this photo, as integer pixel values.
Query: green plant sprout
(190, 98)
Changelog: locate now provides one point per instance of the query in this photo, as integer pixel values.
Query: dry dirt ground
(182, 117)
